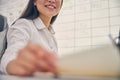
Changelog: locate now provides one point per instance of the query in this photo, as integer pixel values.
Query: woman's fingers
(42, 53)
(44, 66)
(28, 66)
(27, 55)
(28, 60)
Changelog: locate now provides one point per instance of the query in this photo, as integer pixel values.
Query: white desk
(7, 77)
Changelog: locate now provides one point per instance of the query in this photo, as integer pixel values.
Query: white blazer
(23, 31)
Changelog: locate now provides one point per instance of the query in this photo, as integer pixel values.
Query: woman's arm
(32, 58)
(23, 57)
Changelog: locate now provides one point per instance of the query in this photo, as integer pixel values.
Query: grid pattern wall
(85, 24)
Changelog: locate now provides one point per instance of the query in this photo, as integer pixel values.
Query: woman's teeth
(50, 6)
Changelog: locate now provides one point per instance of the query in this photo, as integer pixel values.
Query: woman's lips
(50, 6)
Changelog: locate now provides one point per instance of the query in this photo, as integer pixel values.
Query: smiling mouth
(50, 6)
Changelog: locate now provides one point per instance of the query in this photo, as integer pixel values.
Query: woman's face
(48, 8)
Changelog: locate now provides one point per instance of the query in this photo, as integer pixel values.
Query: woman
(31, 44)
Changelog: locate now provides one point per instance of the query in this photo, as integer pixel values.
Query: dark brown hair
(31, 12)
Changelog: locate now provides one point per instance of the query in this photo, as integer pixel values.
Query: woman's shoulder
(22, 21)
(21, 24)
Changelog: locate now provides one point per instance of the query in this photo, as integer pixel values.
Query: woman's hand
(32, 58)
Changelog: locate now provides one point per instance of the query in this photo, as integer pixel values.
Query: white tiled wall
(84, 24)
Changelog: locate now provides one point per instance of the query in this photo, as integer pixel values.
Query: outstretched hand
(32, 58)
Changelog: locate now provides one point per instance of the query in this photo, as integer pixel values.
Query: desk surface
(7, 77)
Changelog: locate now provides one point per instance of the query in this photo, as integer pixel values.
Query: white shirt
(23, 31)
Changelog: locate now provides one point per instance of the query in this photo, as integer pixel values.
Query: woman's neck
(46, 20)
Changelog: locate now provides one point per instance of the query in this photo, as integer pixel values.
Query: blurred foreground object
(102, 61)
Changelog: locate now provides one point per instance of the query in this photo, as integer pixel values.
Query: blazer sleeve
(17, 37)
